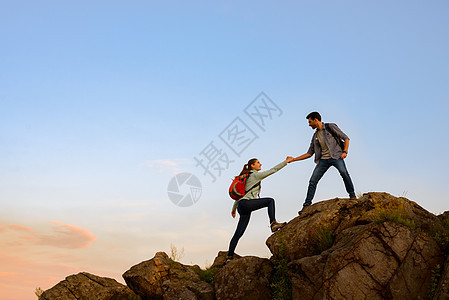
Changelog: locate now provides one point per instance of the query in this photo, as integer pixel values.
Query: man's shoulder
(331, 127)
(336, 131)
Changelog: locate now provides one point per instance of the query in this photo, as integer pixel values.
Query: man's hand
(233, 213)
(345, 149)
(289, 159)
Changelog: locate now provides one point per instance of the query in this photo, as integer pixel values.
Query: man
(328, 152)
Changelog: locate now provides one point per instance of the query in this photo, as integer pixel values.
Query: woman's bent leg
(248, 206)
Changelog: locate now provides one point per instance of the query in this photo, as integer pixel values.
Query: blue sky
(103, 103)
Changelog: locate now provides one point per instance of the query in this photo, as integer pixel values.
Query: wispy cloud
(67, 236)
(61, 236)
(173, 166)
(38, 256)
(19, 228)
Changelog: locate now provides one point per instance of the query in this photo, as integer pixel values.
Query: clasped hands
(289, 159)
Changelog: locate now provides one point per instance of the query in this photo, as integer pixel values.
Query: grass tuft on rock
(207, 274)
(281, 286)
(392, 212)
(323, 239)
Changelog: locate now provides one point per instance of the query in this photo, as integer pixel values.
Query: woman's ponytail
(247, 167)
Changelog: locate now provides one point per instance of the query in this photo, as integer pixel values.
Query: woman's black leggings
(245, 207)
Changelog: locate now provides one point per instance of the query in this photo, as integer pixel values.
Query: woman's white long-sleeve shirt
(254, 178)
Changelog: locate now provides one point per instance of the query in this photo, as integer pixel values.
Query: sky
(106, 104)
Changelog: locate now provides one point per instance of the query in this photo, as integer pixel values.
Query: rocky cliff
(376, 247)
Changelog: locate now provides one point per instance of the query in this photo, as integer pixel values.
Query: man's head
(314, 119)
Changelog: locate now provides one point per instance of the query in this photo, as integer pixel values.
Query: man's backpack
(340, 142)
(237, 188)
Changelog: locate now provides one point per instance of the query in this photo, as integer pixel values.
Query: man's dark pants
(321, 168)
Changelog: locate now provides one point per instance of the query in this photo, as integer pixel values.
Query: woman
(251, 201)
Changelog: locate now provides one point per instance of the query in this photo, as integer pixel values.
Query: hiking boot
(353, 197)
(228, 259)
(276, 226)
(302, 210)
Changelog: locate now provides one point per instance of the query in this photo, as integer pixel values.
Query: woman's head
(253, 164)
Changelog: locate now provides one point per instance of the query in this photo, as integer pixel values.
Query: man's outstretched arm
(301, 157)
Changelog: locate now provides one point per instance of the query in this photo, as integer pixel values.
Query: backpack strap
(331, 131)
(246, 191)
(334, 134)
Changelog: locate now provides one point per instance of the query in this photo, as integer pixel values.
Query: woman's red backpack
(237, 188)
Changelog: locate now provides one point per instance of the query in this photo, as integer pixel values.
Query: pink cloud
(38, 256)
(19, 228)
(61, 236)
(67, 236)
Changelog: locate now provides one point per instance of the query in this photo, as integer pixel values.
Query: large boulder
(163, 278)
(375, 261)
(299, 237)
(245, 278)
(85, 286)
(220, 260)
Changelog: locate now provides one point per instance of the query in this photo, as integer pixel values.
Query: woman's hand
(289, 159)
(233, 213)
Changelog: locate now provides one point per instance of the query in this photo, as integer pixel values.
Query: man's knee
(344, 173)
